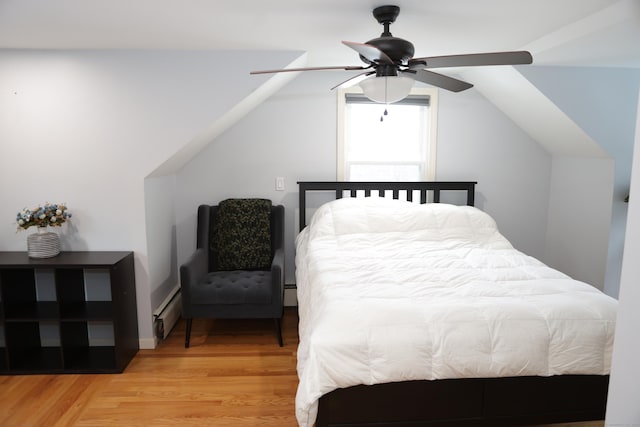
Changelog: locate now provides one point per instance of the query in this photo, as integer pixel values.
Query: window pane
(398, 146)
(396, 138)
(399, 137)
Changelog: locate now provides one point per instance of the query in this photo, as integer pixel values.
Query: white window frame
(429, 171)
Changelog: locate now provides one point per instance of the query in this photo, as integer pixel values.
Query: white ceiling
(602, 33)
(558, 32)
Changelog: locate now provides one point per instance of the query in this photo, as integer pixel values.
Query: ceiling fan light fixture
(387, 89)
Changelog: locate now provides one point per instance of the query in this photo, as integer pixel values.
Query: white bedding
(393, 291)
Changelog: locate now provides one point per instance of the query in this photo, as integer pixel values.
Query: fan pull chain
(385, 99)
(384, 114)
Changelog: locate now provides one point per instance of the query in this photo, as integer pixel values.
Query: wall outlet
(280, 183)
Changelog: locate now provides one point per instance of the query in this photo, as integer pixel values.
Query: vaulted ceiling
(598, 33)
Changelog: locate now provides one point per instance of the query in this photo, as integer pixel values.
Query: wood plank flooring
(234, 374)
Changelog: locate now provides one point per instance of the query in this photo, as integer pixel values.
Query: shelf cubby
(28, 351)
(80, 351)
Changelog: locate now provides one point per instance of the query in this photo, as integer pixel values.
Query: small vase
(43, 244)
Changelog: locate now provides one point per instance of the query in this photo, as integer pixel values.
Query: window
(398, 146)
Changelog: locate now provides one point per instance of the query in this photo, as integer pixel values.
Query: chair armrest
(193, 270)
(277, 273)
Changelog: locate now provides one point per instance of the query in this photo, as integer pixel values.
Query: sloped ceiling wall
(603, 102)
(262, 87)
(536, 114)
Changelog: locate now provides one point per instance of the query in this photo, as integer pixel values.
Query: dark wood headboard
(340, 187)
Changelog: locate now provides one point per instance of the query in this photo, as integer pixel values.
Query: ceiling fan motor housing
(399, 50)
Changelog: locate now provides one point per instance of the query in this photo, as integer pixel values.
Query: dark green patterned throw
(242, 234)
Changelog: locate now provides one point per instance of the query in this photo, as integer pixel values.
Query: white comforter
(393, 291)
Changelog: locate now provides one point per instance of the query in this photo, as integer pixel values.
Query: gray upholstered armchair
(237, 270)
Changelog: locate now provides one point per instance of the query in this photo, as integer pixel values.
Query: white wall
(476, 141)
(579, 216)
(293, 134)
(87, 127)
(603, 102)
(624, 386)
(160, 195)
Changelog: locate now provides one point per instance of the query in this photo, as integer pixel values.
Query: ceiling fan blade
(371, 53)
(285, 70)
(354, 80)
(439, 80)
(472, 59)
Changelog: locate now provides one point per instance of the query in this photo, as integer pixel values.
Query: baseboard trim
(148, 343)
(290, 296)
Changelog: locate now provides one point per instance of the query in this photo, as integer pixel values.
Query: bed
(422, 314)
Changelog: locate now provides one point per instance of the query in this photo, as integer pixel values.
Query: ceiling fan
(392, 57)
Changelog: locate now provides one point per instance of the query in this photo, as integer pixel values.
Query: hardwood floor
(234, 374)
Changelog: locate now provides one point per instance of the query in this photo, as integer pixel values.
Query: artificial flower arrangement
(49, 215)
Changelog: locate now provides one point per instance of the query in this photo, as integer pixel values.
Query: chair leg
(279, 330)
(188, 334)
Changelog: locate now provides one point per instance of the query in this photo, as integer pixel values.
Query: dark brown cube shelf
(74, 313)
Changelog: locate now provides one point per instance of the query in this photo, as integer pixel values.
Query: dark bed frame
(511, 401)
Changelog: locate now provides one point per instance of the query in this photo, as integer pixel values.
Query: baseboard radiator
(168, 314)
